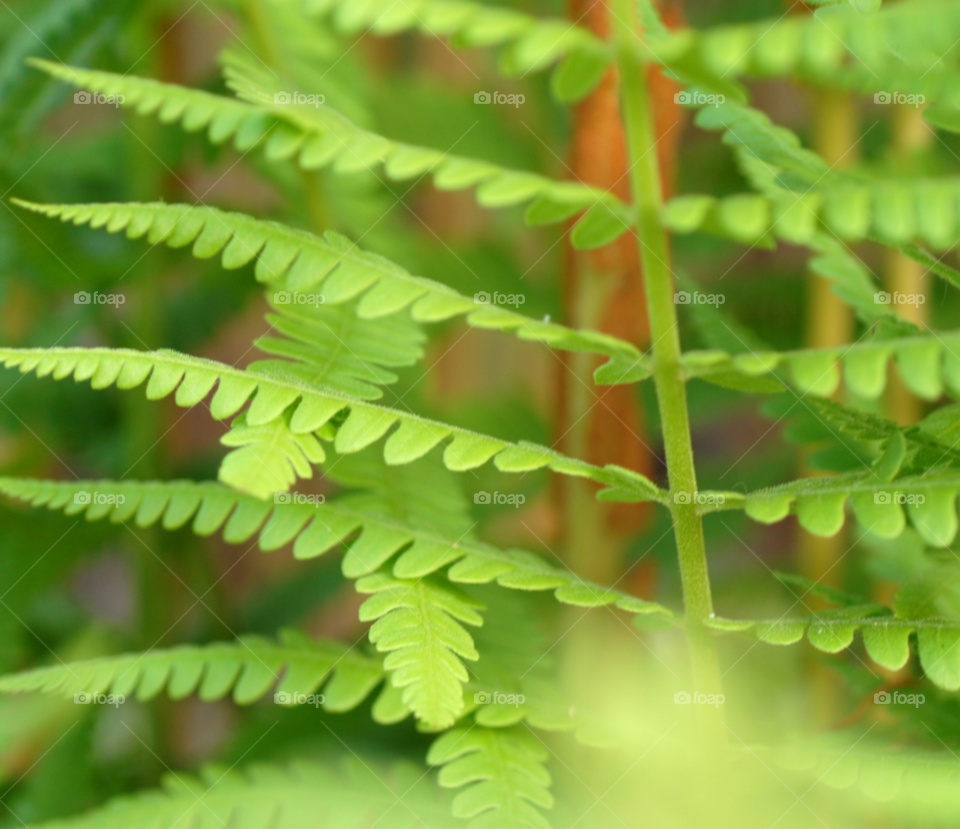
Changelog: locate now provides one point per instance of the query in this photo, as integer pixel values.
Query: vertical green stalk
(671, 390)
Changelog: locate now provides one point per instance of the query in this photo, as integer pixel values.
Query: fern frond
(417, 622)
(332, 346)
(301, 262)
(881, 773)
(892, 211)
(885, 637)
(801, 193)
(819, 503)
(928, 364)
(279, 396)
(527, 44)
(315, 529)
(933, 264)
(303, 795)
(904, 47)
(320, 136)
(297, 666)
(505, 771)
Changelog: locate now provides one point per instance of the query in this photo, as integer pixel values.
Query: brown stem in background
(904, 275)
(603, 290)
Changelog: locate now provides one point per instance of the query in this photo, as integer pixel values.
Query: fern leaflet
(504, 769)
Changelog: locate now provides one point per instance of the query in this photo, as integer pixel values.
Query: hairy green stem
(671, 390)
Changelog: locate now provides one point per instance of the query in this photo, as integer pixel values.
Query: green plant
(345, 321)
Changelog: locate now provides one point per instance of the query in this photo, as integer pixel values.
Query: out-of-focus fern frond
(801, 192)
(302, 796)
(527, 44)
(507, 773)
(297, 665)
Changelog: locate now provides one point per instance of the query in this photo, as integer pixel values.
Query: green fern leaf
(932, 263)
(418, 623)
(895, 49)
(320, 136)
(335, 347)
(297, 667)
(881, 507)
(801, 192)
(505, 768)
(310, 409)
(886, 638)
(879, 772)
(301, 796)
(300, 262)
(528, 44)
(315, 529)
(927, 364)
